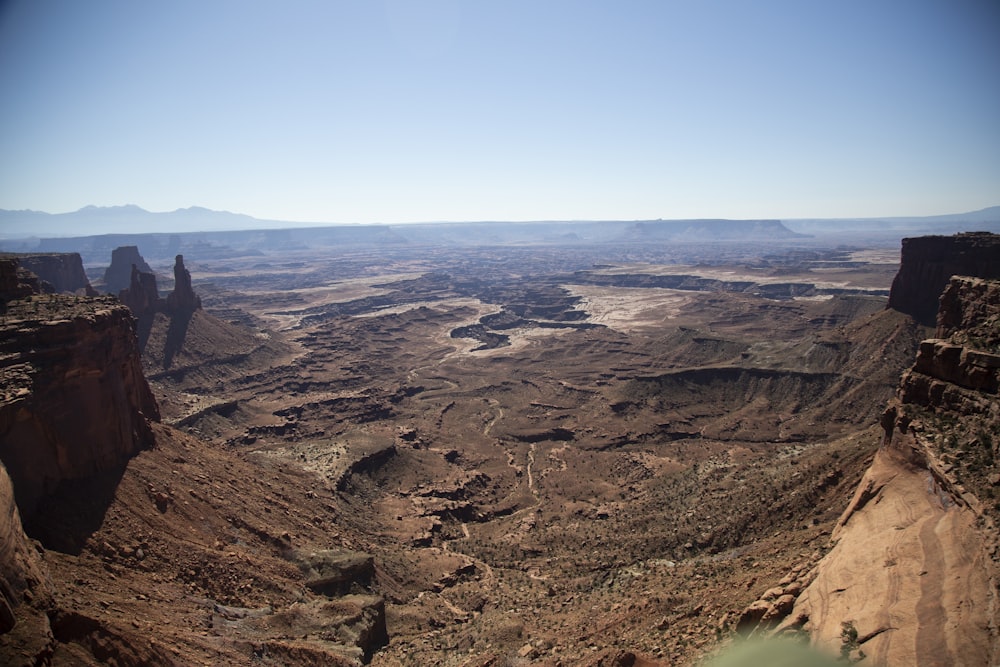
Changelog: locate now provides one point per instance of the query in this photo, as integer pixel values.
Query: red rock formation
(141, 296)
(16, 282)
(912, 576)
(64, 271)
(25, 589)
(182, 299)
(927, 263)
(118, 276)
(74, 402)
(970, 311)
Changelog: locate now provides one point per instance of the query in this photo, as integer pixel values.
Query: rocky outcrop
(182, 300)
(970, 312)
(118, 276)
(16, 282)
(141, 296)
(959, 370)
(912, 575)
(332, 573)
(74, 402)
(63, 271)
(927, 263)
(910, 578)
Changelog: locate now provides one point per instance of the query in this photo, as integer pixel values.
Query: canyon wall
(912, 575)
(63, 271)
(25, 587)
(927, 263)
(74, 402)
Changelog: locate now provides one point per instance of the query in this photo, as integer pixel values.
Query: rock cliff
(63, 271)
(74, 399)
(25, 588)
(154, 547)
(15, 281)
(912, 576)
(118, 276)
(927, 263)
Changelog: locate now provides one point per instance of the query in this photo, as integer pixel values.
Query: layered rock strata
(63, 271)
(148, 537)
(124, 260)
(74, 400)
(912, 576)
(927, 263)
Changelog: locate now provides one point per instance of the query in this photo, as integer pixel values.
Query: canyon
(396, 451)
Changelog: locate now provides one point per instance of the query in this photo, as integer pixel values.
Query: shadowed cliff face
(124, 260)
(63, 271)
(928, 263)
(75, 402)
(22, 576)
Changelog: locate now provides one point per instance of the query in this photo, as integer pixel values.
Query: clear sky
(407, 110)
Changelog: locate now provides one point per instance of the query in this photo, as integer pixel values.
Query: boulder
(332, 573)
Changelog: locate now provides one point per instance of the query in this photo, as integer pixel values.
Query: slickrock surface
(911, 573)
(912, 578)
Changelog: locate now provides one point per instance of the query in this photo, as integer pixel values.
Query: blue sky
(394, 111)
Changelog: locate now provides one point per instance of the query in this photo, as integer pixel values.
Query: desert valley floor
(550, 455)
(431, 450)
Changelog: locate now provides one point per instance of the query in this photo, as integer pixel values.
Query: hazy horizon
(393, 112)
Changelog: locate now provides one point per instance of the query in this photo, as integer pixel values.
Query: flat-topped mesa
(124, 259)
(927, 263)
(182, 299)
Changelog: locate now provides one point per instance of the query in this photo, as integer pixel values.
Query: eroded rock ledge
(75, 402)
(913, 571)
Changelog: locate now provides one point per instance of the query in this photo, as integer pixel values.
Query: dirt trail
(497, 417)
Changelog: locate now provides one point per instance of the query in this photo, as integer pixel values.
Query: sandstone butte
(911, 577)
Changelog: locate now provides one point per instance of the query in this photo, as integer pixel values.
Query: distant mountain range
(131, 220)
